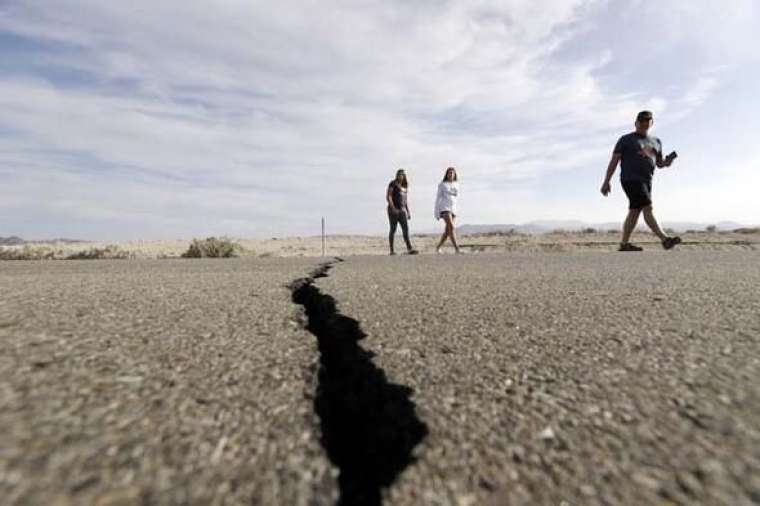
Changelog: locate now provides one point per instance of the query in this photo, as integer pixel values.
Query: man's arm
(663, 162)
(611, 167)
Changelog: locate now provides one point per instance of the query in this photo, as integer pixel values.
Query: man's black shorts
(639, 193)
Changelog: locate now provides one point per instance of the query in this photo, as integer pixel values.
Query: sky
(172, 119)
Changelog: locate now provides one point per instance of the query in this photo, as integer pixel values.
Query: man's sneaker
(413, 252)
(626, 246)
(669, 242)
(393, 253)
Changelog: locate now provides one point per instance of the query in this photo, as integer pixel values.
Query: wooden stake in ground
(323, 237)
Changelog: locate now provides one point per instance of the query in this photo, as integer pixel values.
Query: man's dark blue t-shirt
(638, 156)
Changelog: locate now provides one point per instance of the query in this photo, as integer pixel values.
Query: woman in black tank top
(398, 210)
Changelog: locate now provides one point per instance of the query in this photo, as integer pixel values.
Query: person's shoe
(670, 242)
(626, 246)
(438, 251)
(393, 253)
(413, 252)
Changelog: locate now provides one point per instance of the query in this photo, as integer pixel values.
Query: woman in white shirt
(446, 207)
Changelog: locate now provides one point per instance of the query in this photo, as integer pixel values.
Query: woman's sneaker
(626, 246)
(669, 242)
(413, 252)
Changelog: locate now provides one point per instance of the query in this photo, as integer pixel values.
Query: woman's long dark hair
(447, 173)
(405, 182)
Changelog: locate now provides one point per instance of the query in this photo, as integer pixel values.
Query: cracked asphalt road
(577, 379)
(157, 382)
(557, 379)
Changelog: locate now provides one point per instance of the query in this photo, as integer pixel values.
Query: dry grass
(29, 252)
(499, 233)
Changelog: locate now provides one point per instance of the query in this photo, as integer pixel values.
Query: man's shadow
(369, 426)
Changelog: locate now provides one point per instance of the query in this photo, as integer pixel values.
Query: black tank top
(398, 195)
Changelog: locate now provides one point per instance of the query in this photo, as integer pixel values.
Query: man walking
(640, 153)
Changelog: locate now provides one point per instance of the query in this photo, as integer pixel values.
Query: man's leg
(652, 222)
(630, 224)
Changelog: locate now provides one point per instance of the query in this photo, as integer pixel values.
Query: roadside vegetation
(43, 252)
(28, 252)
(213, 247)
(110, 252)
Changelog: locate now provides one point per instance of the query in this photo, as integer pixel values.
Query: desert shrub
(692, 231)
(212, 247)
(669, 231)
(589, 230)
(711, 228)
(613, 231)
(748, 230)
(28, 252)
(110, 252)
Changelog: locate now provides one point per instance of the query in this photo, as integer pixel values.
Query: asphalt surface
(557, 379)
(157, 382)
(583, 379)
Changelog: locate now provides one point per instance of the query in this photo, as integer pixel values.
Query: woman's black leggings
(397, 218)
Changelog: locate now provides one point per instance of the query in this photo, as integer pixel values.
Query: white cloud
(234, 112)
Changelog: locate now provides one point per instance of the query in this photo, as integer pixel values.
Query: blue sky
(123, 120)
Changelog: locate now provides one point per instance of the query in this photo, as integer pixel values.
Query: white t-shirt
(446, 199)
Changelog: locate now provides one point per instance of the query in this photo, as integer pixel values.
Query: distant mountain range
(11, 241)
(15, 241)
(545, 226)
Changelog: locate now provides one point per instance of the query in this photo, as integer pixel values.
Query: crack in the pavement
(369, 425)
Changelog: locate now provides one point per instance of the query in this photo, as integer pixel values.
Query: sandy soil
(347, 245)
